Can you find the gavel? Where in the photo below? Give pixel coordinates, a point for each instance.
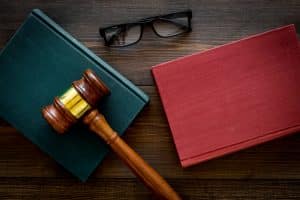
(79, 102)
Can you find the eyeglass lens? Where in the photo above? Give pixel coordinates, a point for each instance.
(165, 27)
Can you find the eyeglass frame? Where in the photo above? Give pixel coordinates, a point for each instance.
(149, 21)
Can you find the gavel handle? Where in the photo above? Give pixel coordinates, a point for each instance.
(145, 172)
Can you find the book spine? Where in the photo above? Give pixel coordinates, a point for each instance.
(38, 13)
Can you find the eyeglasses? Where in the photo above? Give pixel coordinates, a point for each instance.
(163, 26)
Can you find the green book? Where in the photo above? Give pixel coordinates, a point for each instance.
(40, 62)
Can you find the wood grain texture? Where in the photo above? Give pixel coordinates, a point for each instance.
(268, 171)
(123, 189)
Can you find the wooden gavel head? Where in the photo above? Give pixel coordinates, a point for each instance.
(81, 97)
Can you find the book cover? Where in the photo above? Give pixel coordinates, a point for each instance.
(40, 62)
(233, 96)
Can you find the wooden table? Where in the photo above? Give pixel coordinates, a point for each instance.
(268, 171)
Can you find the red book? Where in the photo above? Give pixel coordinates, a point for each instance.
(232, 97)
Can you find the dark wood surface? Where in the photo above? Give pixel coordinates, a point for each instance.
(268, 171)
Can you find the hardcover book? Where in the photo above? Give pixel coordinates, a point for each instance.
(233, 96)
(38, 63)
